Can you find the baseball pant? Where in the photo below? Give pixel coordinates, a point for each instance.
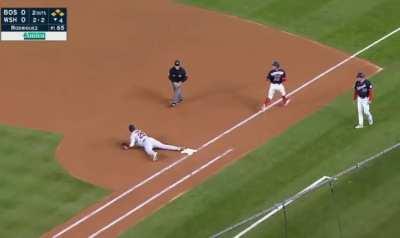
(363, 109)
(276, 87)
(150, 144)
(177, 88)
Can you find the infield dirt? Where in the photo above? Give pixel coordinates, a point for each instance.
(113, 71)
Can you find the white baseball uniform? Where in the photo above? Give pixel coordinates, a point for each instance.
(363, 108)
(276, 88)
(139, 138)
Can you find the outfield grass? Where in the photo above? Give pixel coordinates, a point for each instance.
(356, 199)
(348, 25)
(365, 204)
(322, 144)
(35, 193)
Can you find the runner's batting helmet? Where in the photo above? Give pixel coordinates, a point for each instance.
(131, 127)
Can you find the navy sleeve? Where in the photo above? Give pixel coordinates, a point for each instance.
(283, 78)
(184, 75)
(269, 76)
(170, 74)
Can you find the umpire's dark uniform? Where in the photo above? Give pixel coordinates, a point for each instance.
(177, 75)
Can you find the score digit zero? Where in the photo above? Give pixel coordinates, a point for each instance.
(13, 12)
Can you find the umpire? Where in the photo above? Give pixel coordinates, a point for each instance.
(177, 76)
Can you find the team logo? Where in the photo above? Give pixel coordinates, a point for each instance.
(361, 87)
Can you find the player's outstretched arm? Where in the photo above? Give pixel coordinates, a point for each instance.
(132, 142)
(126, 146)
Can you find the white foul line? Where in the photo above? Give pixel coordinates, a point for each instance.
(120, 196)
(218, 137)
(194, 172)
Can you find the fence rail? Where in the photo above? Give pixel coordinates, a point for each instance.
(260, 217)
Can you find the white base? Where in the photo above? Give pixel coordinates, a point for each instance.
(188, 151)
(19, 36)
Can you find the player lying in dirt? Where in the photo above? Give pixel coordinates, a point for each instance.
(140, 139)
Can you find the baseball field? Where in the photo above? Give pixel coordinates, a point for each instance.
(68, 177)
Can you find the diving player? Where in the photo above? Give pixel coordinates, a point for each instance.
(139, 138)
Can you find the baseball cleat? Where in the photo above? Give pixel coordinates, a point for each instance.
(286, 102)
(173, 104)
(263, 107)
(155, 157)
(359, 126)
(371, 122)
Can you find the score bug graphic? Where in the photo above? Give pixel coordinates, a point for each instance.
(58, 20)
(34, 24)
(57, 16)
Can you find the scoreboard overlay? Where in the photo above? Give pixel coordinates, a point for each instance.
(33, 24)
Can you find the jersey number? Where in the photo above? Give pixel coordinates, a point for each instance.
(141, 135)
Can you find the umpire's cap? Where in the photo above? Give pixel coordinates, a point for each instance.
(275, 63)
(131, 127)
(360, 75)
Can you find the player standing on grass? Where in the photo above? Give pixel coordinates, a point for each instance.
(277, 76)
(364, 95)
(177, 76)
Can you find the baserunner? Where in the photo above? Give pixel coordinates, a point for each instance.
(149, 144)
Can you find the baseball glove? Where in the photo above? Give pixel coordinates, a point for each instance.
(125, 146)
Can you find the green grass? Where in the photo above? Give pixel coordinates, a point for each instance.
(348, 25)
(35, 193)
(322, 144)
(365, 203)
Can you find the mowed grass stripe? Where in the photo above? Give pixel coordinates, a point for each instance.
(347, 25)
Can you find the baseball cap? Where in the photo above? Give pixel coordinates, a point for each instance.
(275, 63)
(177, 63)
(360, 75)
